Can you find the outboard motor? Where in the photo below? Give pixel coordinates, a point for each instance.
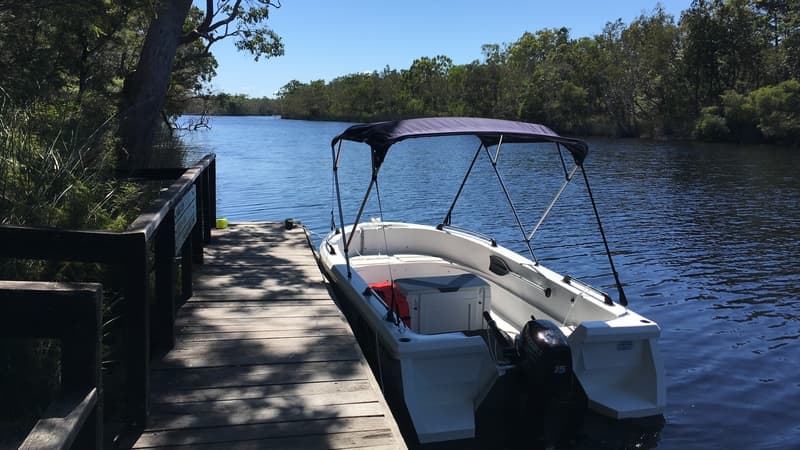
(540, 398)
(544, 357)
(552, 391)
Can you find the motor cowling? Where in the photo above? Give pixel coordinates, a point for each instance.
(552, 402)
(545, 357)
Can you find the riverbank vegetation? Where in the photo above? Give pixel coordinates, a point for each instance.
(725, 70)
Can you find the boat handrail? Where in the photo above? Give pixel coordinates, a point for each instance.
(586, 288)
(545, 290)
(491, 240)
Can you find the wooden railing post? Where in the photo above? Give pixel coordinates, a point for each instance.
(164, 308)
(81, 353)
(212, 198)
(186, 271)
(137, 330)
(198, 232)
(208, 221)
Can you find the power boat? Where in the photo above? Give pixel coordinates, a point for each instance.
(462, 322)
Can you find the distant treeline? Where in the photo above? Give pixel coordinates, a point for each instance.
(232, 105)
(727, 70)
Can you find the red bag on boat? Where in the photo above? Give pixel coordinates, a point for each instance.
(388, 292)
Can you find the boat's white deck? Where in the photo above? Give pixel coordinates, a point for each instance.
(379, 268)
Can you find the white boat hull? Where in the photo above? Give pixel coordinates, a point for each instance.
(445, 376)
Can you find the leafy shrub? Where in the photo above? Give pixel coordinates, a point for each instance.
(740, 116)
(711, 126)
(770, 112)
(778, 111)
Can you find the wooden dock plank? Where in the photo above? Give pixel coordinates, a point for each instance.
(256, 375)
(255, 324)
(263, 357)
(262, 391)
(240, 412)
(297, 283)
(272, 435)
(257, 303)
(253, 293)
(261, 312)
(293, 344)
(265, 334)
(375, 439)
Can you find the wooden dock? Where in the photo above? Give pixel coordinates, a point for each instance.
(263, 356)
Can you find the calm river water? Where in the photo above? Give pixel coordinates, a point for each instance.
(706, 241)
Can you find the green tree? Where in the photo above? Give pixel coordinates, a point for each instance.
(389, 91)
(146, 87)
(769, 112)
(778, 111)
(724, 48)
(650, 49)
(781, 24)
(617, 89)
(305, 101)
(356, 92)
(541, 84)
(476, 89)
(426, 83)
(701, 37)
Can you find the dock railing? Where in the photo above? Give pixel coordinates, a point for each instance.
(175, 226)
(71, 313)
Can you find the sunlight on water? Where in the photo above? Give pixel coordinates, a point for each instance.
(705, 239)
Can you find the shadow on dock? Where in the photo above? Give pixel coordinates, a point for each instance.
(263, 357)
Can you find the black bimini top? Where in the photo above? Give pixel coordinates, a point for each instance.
(382, 135)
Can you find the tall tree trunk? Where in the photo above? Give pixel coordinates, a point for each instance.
(145, 89)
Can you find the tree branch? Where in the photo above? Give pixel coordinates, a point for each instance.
(170, 126)
(209, 15)
(206, 27)
(231, 17)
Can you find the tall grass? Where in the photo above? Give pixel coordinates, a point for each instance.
(56, 170)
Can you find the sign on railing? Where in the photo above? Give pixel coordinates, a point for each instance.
(185, 217)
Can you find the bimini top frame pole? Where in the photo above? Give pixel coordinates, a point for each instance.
(377, 160)
(449, 216)
(623, 299)
(493, 160)
(567, 179)
(335, 154)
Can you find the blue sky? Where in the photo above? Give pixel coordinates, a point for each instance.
(325, 39)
